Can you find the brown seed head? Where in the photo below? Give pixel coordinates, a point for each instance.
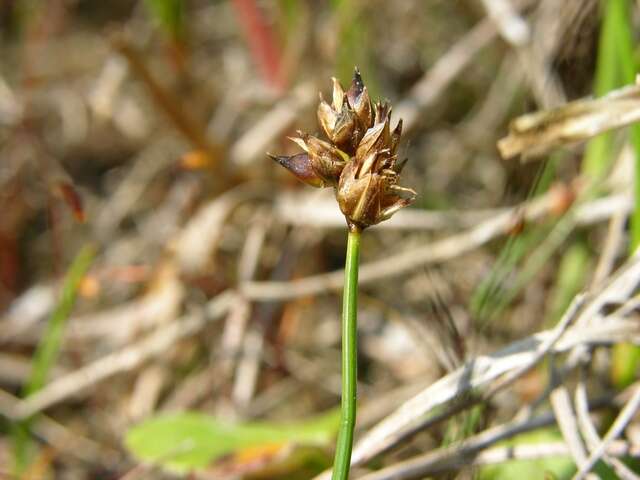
(349, 115)
(360, 160)
(326, 160)
(358, 97)
(368, 192)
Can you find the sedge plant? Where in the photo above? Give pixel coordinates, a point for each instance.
(359, 161)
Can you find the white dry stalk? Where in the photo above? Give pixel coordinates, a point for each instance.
(125, 198)
(106, 87)
(252, 145)
(512, 26)
(477, 449)
(589, 432)
(538, 132)
(448, 67)
(198, 239)
(436, 251)
(535, 58)
(11, 107)
(125, 359)
(318, 209)
(490, 456)
(478, 374)
(62, 438)
(120, 324)
(568, 423)
(624, 418)
(530, 452)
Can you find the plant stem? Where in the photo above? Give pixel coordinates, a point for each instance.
(349, 357)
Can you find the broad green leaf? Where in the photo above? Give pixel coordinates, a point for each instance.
(188, 441)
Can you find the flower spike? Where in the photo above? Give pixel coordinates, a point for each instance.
(359, 159)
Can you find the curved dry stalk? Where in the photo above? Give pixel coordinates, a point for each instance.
(589, 432)
(477, 377)
(123, 360)
(437, 251)
(625, 416)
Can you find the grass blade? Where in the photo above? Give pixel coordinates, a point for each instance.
(45, 356)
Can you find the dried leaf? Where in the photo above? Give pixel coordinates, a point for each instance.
(538, 132)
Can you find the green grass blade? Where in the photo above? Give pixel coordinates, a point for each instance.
(597, 158)
(620, 49)
(627, 65)
(353, 45)
(574, 268)
(169, 15)
(47, 352)
(490, 297)
(48, 349)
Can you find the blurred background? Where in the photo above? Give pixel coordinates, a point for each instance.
(153, 259)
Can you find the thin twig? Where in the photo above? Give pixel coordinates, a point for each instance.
(479, 374)
(614, 432)
(430, 87)
(123, 360)
(59, 436)
(610, 249)
(589, 432)
(436, 251)
(466, 385)
(495, 455)
(256, 140)
(470, 451)
(568, 424)
(512, 27)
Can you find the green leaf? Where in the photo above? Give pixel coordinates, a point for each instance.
(182, 442)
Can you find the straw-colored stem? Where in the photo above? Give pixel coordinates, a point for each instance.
(349, 358)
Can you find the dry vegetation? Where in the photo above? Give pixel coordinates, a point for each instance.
(132, 145)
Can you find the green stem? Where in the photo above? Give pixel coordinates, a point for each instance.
(349, 357)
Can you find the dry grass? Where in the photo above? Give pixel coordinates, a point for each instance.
(215, 283)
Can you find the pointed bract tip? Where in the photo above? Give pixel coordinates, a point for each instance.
(300, 141)
(283, 160)
(275, 158)
(300, 166)
(357, 77)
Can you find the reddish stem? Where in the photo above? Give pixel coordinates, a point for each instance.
(261, 42)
